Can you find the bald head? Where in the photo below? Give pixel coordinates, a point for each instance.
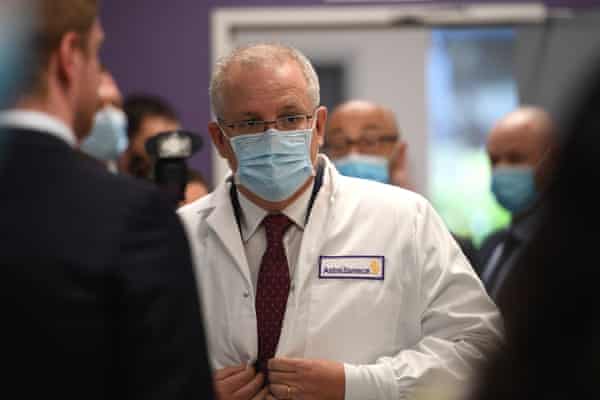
(524, 137)
(370, 128)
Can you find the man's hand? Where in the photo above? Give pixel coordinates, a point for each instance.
(294, 378)
(239, 383)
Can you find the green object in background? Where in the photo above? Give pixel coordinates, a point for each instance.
(460, 192)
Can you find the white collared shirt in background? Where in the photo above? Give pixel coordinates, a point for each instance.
(38, 121)
(255, 237)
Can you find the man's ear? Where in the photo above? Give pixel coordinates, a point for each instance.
(217, 138)
(222, 144)
(399, 154)
(321, 121)
(69, 57)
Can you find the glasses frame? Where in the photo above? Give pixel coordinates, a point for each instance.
(265, 123)
(386, 138)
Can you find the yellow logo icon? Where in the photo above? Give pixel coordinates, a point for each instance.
(375, 268)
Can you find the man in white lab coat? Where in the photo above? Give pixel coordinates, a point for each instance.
(315, 285)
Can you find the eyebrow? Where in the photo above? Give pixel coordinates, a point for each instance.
(291, 108)
(372, 127)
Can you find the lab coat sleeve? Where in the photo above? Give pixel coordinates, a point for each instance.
(460, 325)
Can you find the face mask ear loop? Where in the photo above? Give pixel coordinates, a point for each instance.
(236, 178)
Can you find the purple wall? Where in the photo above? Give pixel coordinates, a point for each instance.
(163, 48)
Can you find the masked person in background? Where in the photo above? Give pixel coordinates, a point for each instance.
(363, 141)
(521, 147)
(108, 138)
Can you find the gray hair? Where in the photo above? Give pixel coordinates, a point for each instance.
(261, 54)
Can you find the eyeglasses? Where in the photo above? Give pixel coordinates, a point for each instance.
(247, 127)
(341, 145)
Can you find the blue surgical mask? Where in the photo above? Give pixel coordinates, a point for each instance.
(514, 188)
(108, 138)
(374, 168)
(274, 164)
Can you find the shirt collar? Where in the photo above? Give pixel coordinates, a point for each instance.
(252, 215)
(38, 121)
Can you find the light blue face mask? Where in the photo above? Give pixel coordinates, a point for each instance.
(274, 164)
(108, 138)
(374, 168)
(514, 188)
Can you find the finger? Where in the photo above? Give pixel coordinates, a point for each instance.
(263, 394)
(270, 397)
(237, 381)
(284, 378)
(252, 387)
(228, 371)
(284, 364)
(281, 391)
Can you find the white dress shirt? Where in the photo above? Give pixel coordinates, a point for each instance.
(255, 237)
(38, 121)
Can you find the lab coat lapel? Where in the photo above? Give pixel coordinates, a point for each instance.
(316, 230)
(292, 342)
(223, 223)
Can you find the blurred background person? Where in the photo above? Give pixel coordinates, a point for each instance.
(361, 138)
(522, 148)
(108, 138)
(99, 297)
(363, 141)
(147, 116)
(196, 187)
(550, 298)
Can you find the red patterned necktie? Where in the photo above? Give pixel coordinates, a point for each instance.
(272, 289)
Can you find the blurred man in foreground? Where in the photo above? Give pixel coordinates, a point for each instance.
(99, 297)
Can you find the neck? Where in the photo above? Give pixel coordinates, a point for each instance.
(52, 103)
(279, 205)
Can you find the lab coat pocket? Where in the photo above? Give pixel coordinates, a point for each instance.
(353, 320)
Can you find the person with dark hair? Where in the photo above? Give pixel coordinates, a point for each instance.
(99, 299)
(549, 300)
(147, 116)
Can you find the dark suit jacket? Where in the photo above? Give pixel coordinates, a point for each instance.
(99, 298)
(509, 244)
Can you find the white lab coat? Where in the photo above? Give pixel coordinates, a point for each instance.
(429, 318)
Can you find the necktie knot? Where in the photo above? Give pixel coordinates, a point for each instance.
(275, 226)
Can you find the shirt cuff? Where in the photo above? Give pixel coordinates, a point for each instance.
(368, 382)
